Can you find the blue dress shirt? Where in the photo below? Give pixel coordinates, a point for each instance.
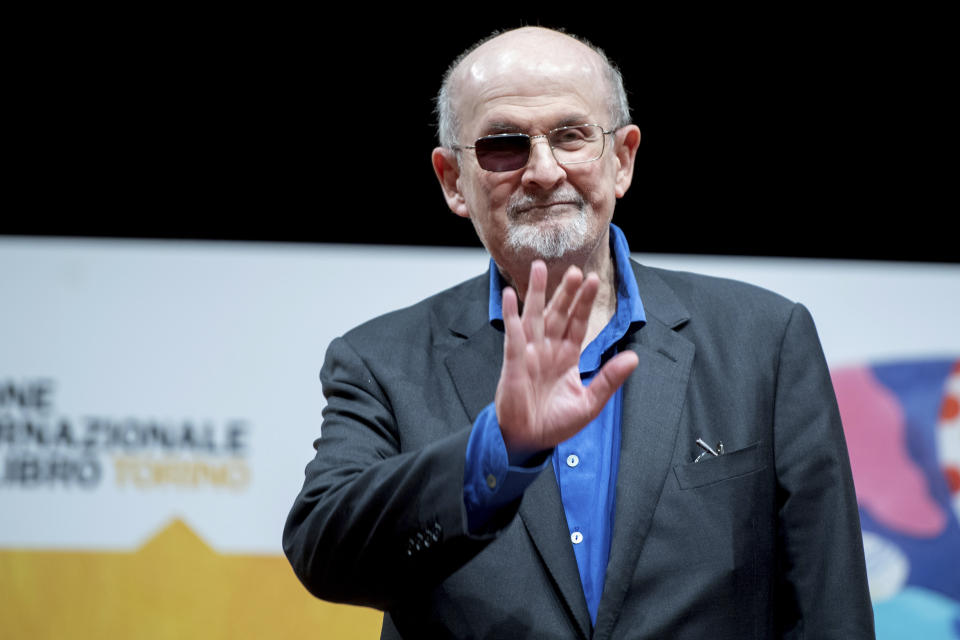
(585, 465)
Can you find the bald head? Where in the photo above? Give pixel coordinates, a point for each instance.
(532, 51)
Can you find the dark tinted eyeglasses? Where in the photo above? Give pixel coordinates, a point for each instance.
(511, 151)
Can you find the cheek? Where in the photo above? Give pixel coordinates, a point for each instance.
(599, 187)
(491, 195)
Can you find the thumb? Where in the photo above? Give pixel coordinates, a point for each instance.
(613, 374)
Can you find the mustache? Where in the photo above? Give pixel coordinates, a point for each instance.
(520, 203)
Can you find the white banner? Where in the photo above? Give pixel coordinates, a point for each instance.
(143, 382)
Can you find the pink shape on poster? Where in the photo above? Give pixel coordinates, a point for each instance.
(889, 484)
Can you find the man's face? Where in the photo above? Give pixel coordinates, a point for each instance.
(531, 83)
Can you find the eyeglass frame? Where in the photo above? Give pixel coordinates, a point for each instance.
(603, 134)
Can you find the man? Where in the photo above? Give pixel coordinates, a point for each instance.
(486, 473)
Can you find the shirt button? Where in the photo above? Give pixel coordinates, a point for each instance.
(576, 537)
(491, 481)
(572, 460)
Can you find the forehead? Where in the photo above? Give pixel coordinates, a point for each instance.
(530, 81)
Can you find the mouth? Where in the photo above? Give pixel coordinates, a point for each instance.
(543, 209)
(548, 205)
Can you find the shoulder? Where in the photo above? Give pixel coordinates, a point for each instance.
(434, 319)
(701, 294)
(707, 308)
(697, 286)
(398, 354)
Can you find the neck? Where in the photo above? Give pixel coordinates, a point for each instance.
(599, 261)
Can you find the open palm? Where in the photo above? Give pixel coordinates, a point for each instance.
(540, 400)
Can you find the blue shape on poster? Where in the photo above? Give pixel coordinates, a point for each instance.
(917, 613)
(919, 387)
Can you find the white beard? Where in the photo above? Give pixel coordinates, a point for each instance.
(547, 238)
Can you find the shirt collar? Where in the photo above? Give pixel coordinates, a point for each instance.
(629, 305)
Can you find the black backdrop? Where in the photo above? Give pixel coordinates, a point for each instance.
(795, 134)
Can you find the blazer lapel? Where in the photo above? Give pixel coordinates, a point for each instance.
(546, 522)
(474, 364)
(474, 367)
(652, 401)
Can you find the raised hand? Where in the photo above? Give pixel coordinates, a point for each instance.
(540, 401)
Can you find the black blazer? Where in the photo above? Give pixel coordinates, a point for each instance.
(761, 542)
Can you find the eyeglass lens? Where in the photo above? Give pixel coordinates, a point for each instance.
(503, 153)
(569, 145)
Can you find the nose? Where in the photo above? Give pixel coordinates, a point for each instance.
(542, 169)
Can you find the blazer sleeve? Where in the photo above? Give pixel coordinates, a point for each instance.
(374, 524)
(822, 591)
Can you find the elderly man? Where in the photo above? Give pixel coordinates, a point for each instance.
(638, 454)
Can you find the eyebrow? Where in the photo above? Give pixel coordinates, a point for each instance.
(566, 122)
(504, 126)
(500, 126)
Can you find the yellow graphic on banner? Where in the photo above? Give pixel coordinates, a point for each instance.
(175, 586)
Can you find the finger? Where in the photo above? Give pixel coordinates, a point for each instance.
(580, 311)
(613, 374)
(514, 341)
(557, 312)
(534, 301)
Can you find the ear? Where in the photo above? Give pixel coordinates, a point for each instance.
(447, 168)
(626, 141)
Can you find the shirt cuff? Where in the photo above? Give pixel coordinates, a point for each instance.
(490, 482)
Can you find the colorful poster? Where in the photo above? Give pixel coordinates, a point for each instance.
(902, 423)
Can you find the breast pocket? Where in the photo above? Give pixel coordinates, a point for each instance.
(717, 469)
